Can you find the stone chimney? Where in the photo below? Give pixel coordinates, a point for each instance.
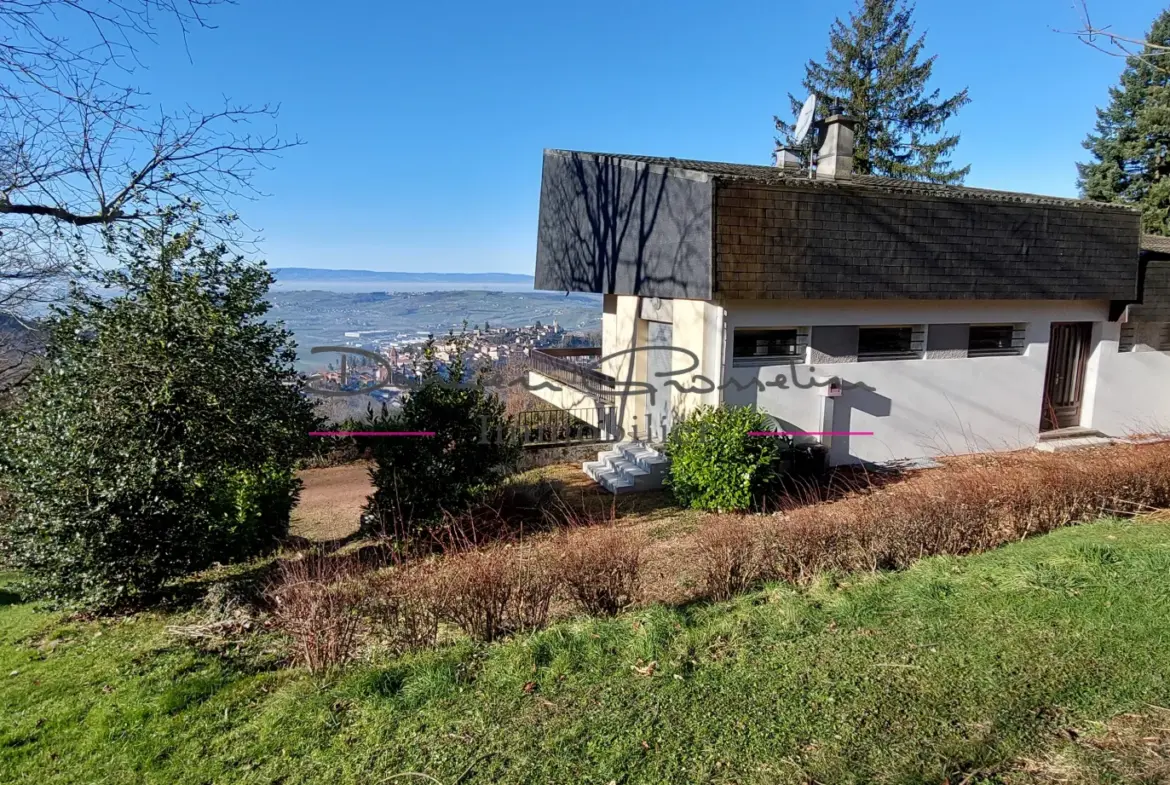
(835, 157)
(787, 159)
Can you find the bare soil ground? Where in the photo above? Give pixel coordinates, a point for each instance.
(332, 498)
(331, 501)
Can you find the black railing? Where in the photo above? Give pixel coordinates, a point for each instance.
(540, 427)
(561, 368)
(580, 354)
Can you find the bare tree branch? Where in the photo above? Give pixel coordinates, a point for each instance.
(82, 150)
(1104, 39)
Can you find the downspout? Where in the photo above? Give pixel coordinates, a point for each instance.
(719, 387)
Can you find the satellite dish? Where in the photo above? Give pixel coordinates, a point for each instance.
(805, 119)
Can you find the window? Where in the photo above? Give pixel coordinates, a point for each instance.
(1145, 337)
(889, 343)
(769, 344)
(993, 340)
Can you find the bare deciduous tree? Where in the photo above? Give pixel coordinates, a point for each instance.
(82, 150)
(1107, 40)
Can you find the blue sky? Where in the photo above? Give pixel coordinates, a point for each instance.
(424, 122)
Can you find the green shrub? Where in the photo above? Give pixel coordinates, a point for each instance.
(716, 465)
(255, 505)
(159, 434)
(419, 479)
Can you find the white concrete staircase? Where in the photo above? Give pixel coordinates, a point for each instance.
(1067, 439)
(628, 467)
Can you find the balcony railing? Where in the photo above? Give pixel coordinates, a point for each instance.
(571, 367)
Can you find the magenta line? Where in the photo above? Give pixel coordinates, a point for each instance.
(371, 433)
(810, 433)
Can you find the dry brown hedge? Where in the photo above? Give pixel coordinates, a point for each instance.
(319, 603)
(330, 605)
(404, 606)
(495, 591)
(734, 555)
(970, 505)
(600, 568)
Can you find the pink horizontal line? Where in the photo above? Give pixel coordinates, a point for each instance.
(371, 433)
(810, 433)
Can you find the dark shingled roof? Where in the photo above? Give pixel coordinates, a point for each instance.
(776, 175)
(1152, 242)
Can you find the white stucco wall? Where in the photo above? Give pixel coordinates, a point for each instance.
(622, 330)
(695, 324)
(1132, 389)
(698, 327)
(918, 408)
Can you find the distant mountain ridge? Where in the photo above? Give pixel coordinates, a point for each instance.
(288, 274)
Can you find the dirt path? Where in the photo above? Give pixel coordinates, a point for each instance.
(331, 501)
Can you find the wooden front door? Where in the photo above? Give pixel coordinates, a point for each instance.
(1064, 380)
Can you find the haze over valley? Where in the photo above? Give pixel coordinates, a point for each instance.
(313, 279)
(322, 318)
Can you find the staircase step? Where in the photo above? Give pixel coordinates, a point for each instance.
(1073, 443)
(591, 468)
(628, 467)
(1073, 432)
(645, 457)
(614, 482)
(641, 451)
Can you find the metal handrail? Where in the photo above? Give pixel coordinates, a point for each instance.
(571, 351)
(588, 380)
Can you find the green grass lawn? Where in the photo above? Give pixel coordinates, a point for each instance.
(953, 667)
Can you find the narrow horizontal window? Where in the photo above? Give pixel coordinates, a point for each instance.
(787, 343)
(1145, 337)
(889, 343)
(1128, 338)
(994, 340)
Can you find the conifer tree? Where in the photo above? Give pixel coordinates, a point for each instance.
(874, 71)
(1130, 144)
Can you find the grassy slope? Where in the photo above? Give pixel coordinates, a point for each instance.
(953, 666)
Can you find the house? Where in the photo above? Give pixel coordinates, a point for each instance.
(890, 320)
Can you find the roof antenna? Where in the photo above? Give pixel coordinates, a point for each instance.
(803, 123)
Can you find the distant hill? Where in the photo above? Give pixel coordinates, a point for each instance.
(322, 318)
(293, 274)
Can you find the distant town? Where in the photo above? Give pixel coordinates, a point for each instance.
(484, 348)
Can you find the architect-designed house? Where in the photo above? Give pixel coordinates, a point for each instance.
(939, 319)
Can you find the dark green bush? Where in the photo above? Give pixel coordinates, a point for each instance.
(255, 506)
(716, 465)
(419, 479)
(159, 434)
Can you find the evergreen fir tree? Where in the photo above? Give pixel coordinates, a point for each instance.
(1131, 141)
(874, 72)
